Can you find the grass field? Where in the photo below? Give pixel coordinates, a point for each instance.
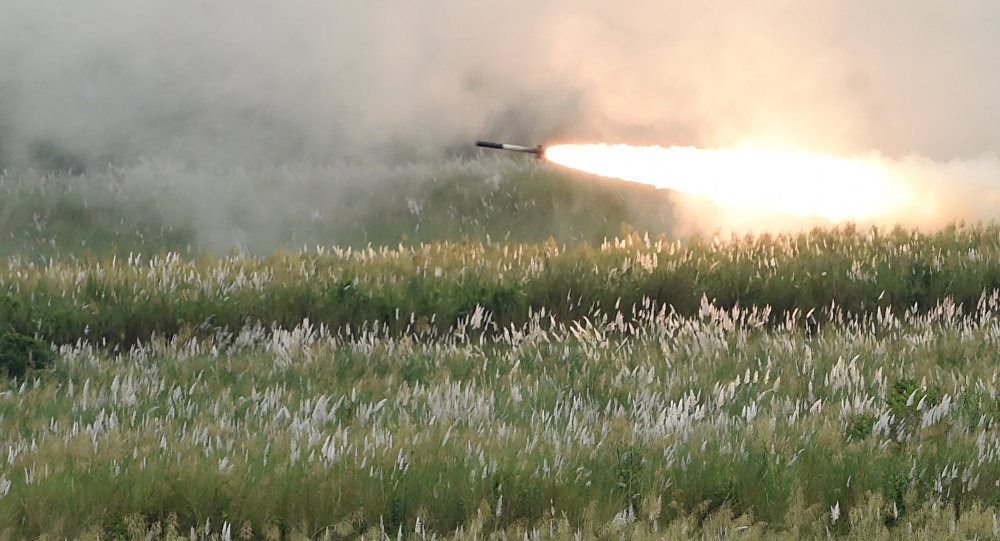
(521, 365)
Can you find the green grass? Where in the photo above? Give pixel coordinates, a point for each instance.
(826, 275)
(153, 208)
(643, 427)
(469, 384)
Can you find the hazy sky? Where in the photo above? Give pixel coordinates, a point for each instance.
(235, 80)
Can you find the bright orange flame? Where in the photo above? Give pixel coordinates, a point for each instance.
(799, 183)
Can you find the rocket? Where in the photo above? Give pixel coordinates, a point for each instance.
(537, 151)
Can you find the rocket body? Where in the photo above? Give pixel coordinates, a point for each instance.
(515, 148)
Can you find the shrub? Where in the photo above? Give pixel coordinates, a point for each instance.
(859, 426)
(20, 353)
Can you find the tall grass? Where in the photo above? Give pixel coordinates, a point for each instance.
(637, 421)
(488, 351)
(838, 382)
(820, 276)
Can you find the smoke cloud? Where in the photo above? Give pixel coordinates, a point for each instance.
(237, 82)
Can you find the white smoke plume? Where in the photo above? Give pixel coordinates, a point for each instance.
(228, 83)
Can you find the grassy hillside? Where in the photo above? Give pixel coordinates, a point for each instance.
(153, 208)
(503, 370)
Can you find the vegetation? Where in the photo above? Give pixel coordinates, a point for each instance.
(840, 382)
(824, 275)
(19, 354)
(155, 208)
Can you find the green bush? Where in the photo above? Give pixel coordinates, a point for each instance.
(859, 426)
(20, 353)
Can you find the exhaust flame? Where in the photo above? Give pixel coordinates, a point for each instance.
(802, 184)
